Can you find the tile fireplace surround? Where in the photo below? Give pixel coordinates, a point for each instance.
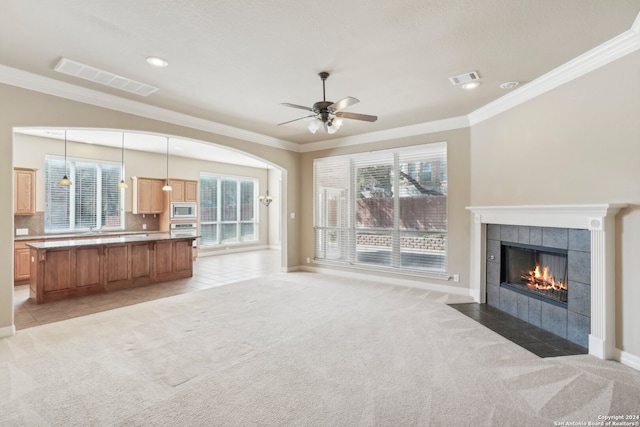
(598, 219)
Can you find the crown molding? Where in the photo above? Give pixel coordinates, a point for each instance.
(619, 46)
(35, 82)
(388, 134)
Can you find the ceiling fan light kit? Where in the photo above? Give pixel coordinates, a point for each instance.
(327, 114)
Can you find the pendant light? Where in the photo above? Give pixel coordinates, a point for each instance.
(65, 180)
(167, 187)
(266, 199)
(122, 183)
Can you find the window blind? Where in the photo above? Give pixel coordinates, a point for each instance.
(93, 201)
(385, 209)
(227, 210)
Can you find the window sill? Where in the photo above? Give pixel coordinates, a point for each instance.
(422, 274)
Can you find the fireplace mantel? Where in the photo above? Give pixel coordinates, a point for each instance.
(599, 219)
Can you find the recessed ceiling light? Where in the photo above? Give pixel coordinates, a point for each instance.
(471, 85)
(509, 85)
(157, 61)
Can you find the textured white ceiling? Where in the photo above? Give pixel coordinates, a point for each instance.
(234, 62)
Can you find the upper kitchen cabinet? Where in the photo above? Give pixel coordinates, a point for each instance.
(183, 190)
(147, 196)
(24, 191)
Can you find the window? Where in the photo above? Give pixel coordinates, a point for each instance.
(227, 210)
(93, 201)
(385, 209)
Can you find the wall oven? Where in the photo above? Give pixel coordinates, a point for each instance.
(185, 230)
(183, 210)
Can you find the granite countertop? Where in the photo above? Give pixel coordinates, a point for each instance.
(96, 234)
(104, 241)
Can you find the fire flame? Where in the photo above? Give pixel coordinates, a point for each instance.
(543, 280)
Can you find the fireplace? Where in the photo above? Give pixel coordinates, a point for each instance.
(596, 221)
(541, 275)
(536, 271)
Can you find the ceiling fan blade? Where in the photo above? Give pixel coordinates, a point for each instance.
(344, 103)
(299, 118)
(356, 116)
(302, 107)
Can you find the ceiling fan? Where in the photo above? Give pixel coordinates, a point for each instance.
(327, 113)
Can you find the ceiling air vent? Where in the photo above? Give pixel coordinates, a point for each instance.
(464, 78)
(86, 72)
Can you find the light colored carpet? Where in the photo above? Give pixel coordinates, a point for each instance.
(297, 349)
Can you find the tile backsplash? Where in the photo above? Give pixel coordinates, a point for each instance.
(35, 223)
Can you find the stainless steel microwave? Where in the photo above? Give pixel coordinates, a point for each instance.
(183, 210)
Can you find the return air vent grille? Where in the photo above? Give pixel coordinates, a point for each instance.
(86, 72)
(464, 78)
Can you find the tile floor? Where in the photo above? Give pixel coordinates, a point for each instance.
(536, 340)
(208, 272)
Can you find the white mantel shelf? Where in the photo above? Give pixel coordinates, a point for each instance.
(589, 217)
(599, 219)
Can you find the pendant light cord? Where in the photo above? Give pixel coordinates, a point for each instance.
(65, 152)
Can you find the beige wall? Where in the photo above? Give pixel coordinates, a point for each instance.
(458, 197)
(24, 108)
(579, 143)
(30, 151)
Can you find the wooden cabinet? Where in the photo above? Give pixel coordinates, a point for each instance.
(65, 270)
(148, 196)
(68, 271)
(177, 190)
(173, 258)
(128, 265)
(88, 267)
(182, 256)
(24, 191)
(21, 261)
(191, 191)
(163, 259)
(183, 190)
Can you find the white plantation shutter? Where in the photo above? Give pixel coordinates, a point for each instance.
(333, 209)
(422, 210)
(93, 201)
(209, 210)
(386, 209)
(228, 207)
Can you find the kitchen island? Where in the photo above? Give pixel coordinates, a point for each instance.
(71, 268)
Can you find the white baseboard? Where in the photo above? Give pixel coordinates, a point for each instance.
(8, 331)
(388, 280)
(628, 359)
(202, 252)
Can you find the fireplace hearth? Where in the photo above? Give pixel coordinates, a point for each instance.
(537, 271)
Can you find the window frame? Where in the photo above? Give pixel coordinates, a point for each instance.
(70, 165)
(239, 222)
(347, 234)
